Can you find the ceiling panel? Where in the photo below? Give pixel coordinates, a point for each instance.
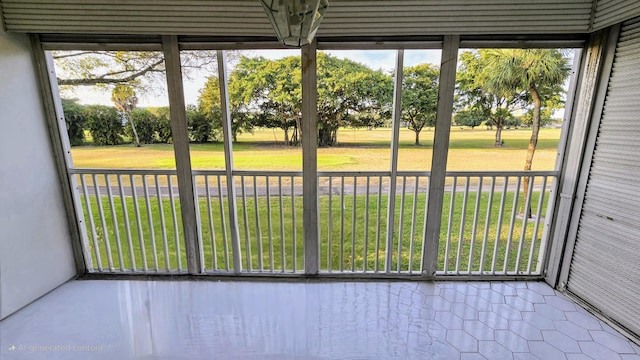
(344, 18)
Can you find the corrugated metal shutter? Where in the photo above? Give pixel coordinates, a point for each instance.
(344, 17)
(605, 269)
(611, 12)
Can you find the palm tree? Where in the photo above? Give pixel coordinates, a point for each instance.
(125, 99)
(538, 72)
(479, 92)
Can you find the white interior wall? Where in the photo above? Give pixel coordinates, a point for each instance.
(35, 247)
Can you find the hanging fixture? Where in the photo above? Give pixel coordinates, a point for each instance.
(295, 21)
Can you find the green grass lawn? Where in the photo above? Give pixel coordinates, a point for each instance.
(350, 244)
(358, 149)
(358, 241)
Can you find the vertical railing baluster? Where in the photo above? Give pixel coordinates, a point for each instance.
(293, 224)
(366, 226)
(127, 227)
(223, 219)
(354, 217)
(330, 225)
(282, 249)
(486, 225)
(114, 220)
(378, 224)
(476, 214)
(496, 245)
(483, 263)
(94, 233)
(342, 224)
(258, 228)
(212, 232)
(200, 235)
(245, 213)
(271, 260)
(463, 219)
(103, 221)
(413, 223)
(514, 211)
(450, 224)
(136, 207)
(401, 224)
(176, 229)
(150, 221)
(163, 225)
(534, 238)
(525, 220)
(424, 221)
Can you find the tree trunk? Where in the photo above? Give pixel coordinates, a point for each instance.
(533, 141)
(417, 138)
(286, 136)
(135, 132)
(327, 136)
(298, 131)
(498, 135)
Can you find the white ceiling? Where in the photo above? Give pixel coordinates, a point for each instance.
(344, 17)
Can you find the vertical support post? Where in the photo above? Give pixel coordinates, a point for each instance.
(181, 150)
(590, 99)
(446, 89)
(310, 160)
(554, 200)
(62, 153)
(228, 161)
(391, 200)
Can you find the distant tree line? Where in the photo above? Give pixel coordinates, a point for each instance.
(108, 126)
(266, 93)
(491, 85)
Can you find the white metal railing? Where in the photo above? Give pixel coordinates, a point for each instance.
(354, 217)
(131, 220)
(494, 224)
(491, 223)
(269, 213)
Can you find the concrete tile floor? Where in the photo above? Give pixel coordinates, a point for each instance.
(308, 320)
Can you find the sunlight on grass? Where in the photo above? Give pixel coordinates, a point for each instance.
(351, 239)
(358, 149)
(352, 228)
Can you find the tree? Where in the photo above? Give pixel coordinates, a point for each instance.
(125, 99)
(271, 90)
(141, 71)
(420, 97)
(471, 117)
(135, 68)
(210, 105)
(266, 92)
(147, 125)
(539, 73)
(478, 92)
(350, 94)
(163, 129)
(75, 117)
(104, 124)
(203, 127)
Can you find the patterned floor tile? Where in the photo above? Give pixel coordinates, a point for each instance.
(387, 320)
(478, 330)
(511, 341)
(462, 341)
(545, 351)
